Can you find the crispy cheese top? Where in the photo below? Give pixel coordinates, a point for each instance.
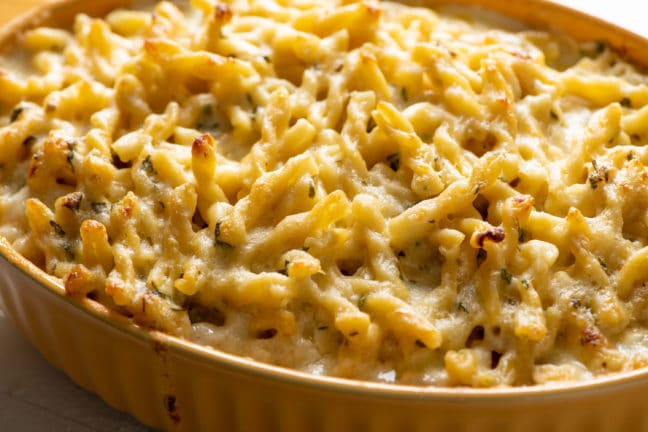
(358, 189)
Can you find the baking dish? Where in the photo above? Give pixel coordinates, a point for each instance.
(174, 385)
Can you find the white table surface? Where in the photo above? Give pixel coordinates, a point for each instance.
(36, 397)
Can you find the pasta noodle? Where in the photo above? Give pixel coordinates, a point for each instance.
(352, 188)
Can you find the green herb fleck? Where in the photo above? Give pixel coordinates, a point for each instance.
(460, 307)
(521, 235)
(626, 102)
(506, 275)
(525, 284)
(217, 234)
(205, 121)
(267, 59)
(70, 155)
(57, 228)
(362, 300)
(394, 161)
(69, 251)
(599, 174)
(594, 181)
(147, 165)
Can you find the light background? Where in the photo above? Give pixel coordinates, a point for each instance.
(36, 397)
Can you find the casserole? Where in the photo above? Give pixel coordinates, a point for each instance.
(173, 402)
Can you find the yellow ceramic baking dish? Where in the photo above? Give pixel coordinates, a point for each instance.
(171, 384)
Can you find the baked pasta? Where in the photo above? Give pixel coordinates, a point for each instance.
(360, 189)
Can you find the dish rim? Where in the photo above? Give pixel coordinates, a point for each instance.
(211, 357)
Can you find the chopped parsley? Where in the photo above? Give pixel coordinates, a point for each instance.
(521, 235)
(69, 251)
(217, 234)
(599, 175)
(57, 228)
(362, 300)
(506, 275)
(147, 165)
(206, 120)
(70, 155)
